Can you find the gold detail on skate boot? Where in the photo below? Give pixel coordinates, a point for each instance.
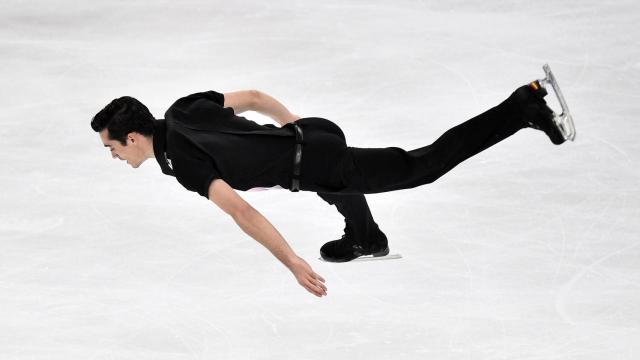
(535, 85)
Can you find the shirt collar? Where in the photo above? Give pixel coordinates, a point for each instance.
(160, 146)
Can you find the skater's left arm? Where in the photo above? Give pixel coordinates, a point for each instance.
(259, 228)
(254, 100)
(269, 106)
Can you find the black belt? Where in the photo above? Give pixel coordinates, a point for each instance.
(297, 158)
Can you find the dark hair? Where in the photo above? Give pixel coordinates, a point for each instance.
(122, 116)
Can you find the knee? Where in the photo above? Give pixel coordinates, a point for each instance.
(330, 198)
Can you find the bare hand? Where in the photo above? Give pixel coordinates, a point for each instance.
(306, 277)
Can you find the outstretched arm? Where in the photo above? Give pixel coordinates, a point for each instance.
(255, 100)
(259, 228)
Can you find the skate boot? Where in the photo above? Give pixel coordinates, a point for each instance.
(347, 248)
(536, 113)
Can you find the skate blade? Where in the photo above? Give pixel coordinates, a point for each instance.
(374, 258)
(564, 121)
(371, 258)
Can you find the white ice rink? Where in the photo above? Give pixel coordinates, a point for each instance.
(526, 251)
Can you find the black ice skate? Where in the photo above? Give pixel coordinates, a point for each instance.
(559, 128)
(347, 249)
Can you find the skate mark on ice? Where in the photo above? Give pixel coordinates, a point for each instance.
(461, 76)
(461, 255)
(271, 324)
(39, 261)
(563, 251)
(561, 298)
(614, 147)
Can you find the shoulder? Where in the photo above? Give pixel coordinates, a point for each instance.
(200, 105)
(206, 96)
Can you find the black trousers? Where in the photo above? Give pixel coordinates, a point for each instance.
(341, 174)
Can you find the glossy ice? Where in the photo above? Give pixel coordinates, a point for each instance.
(526, 251)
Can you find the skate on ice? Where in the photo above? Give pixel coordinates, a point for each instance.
(347, 249)
(371, 258)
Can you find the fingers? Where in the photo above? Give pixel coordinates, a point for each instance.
(315, 290)
(311, 281)
(314, 284)
(320, 283)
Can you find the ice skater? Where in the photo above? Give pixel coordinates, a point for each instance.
(212, 151)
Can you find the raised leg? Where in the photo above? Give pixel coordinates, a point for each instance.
(375, 170)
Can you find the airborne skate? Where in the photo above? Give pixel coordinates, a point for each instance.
(559, 127)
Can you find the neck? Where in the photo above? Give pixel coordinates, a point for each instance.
(149, 153)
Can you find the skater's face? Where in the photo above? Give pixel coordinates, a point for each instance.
(133, 152)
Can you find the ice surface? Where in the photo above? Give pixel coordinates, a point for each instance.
(527, 251)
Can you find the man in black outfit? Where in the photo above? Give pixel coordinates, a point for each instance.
(212, 151)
